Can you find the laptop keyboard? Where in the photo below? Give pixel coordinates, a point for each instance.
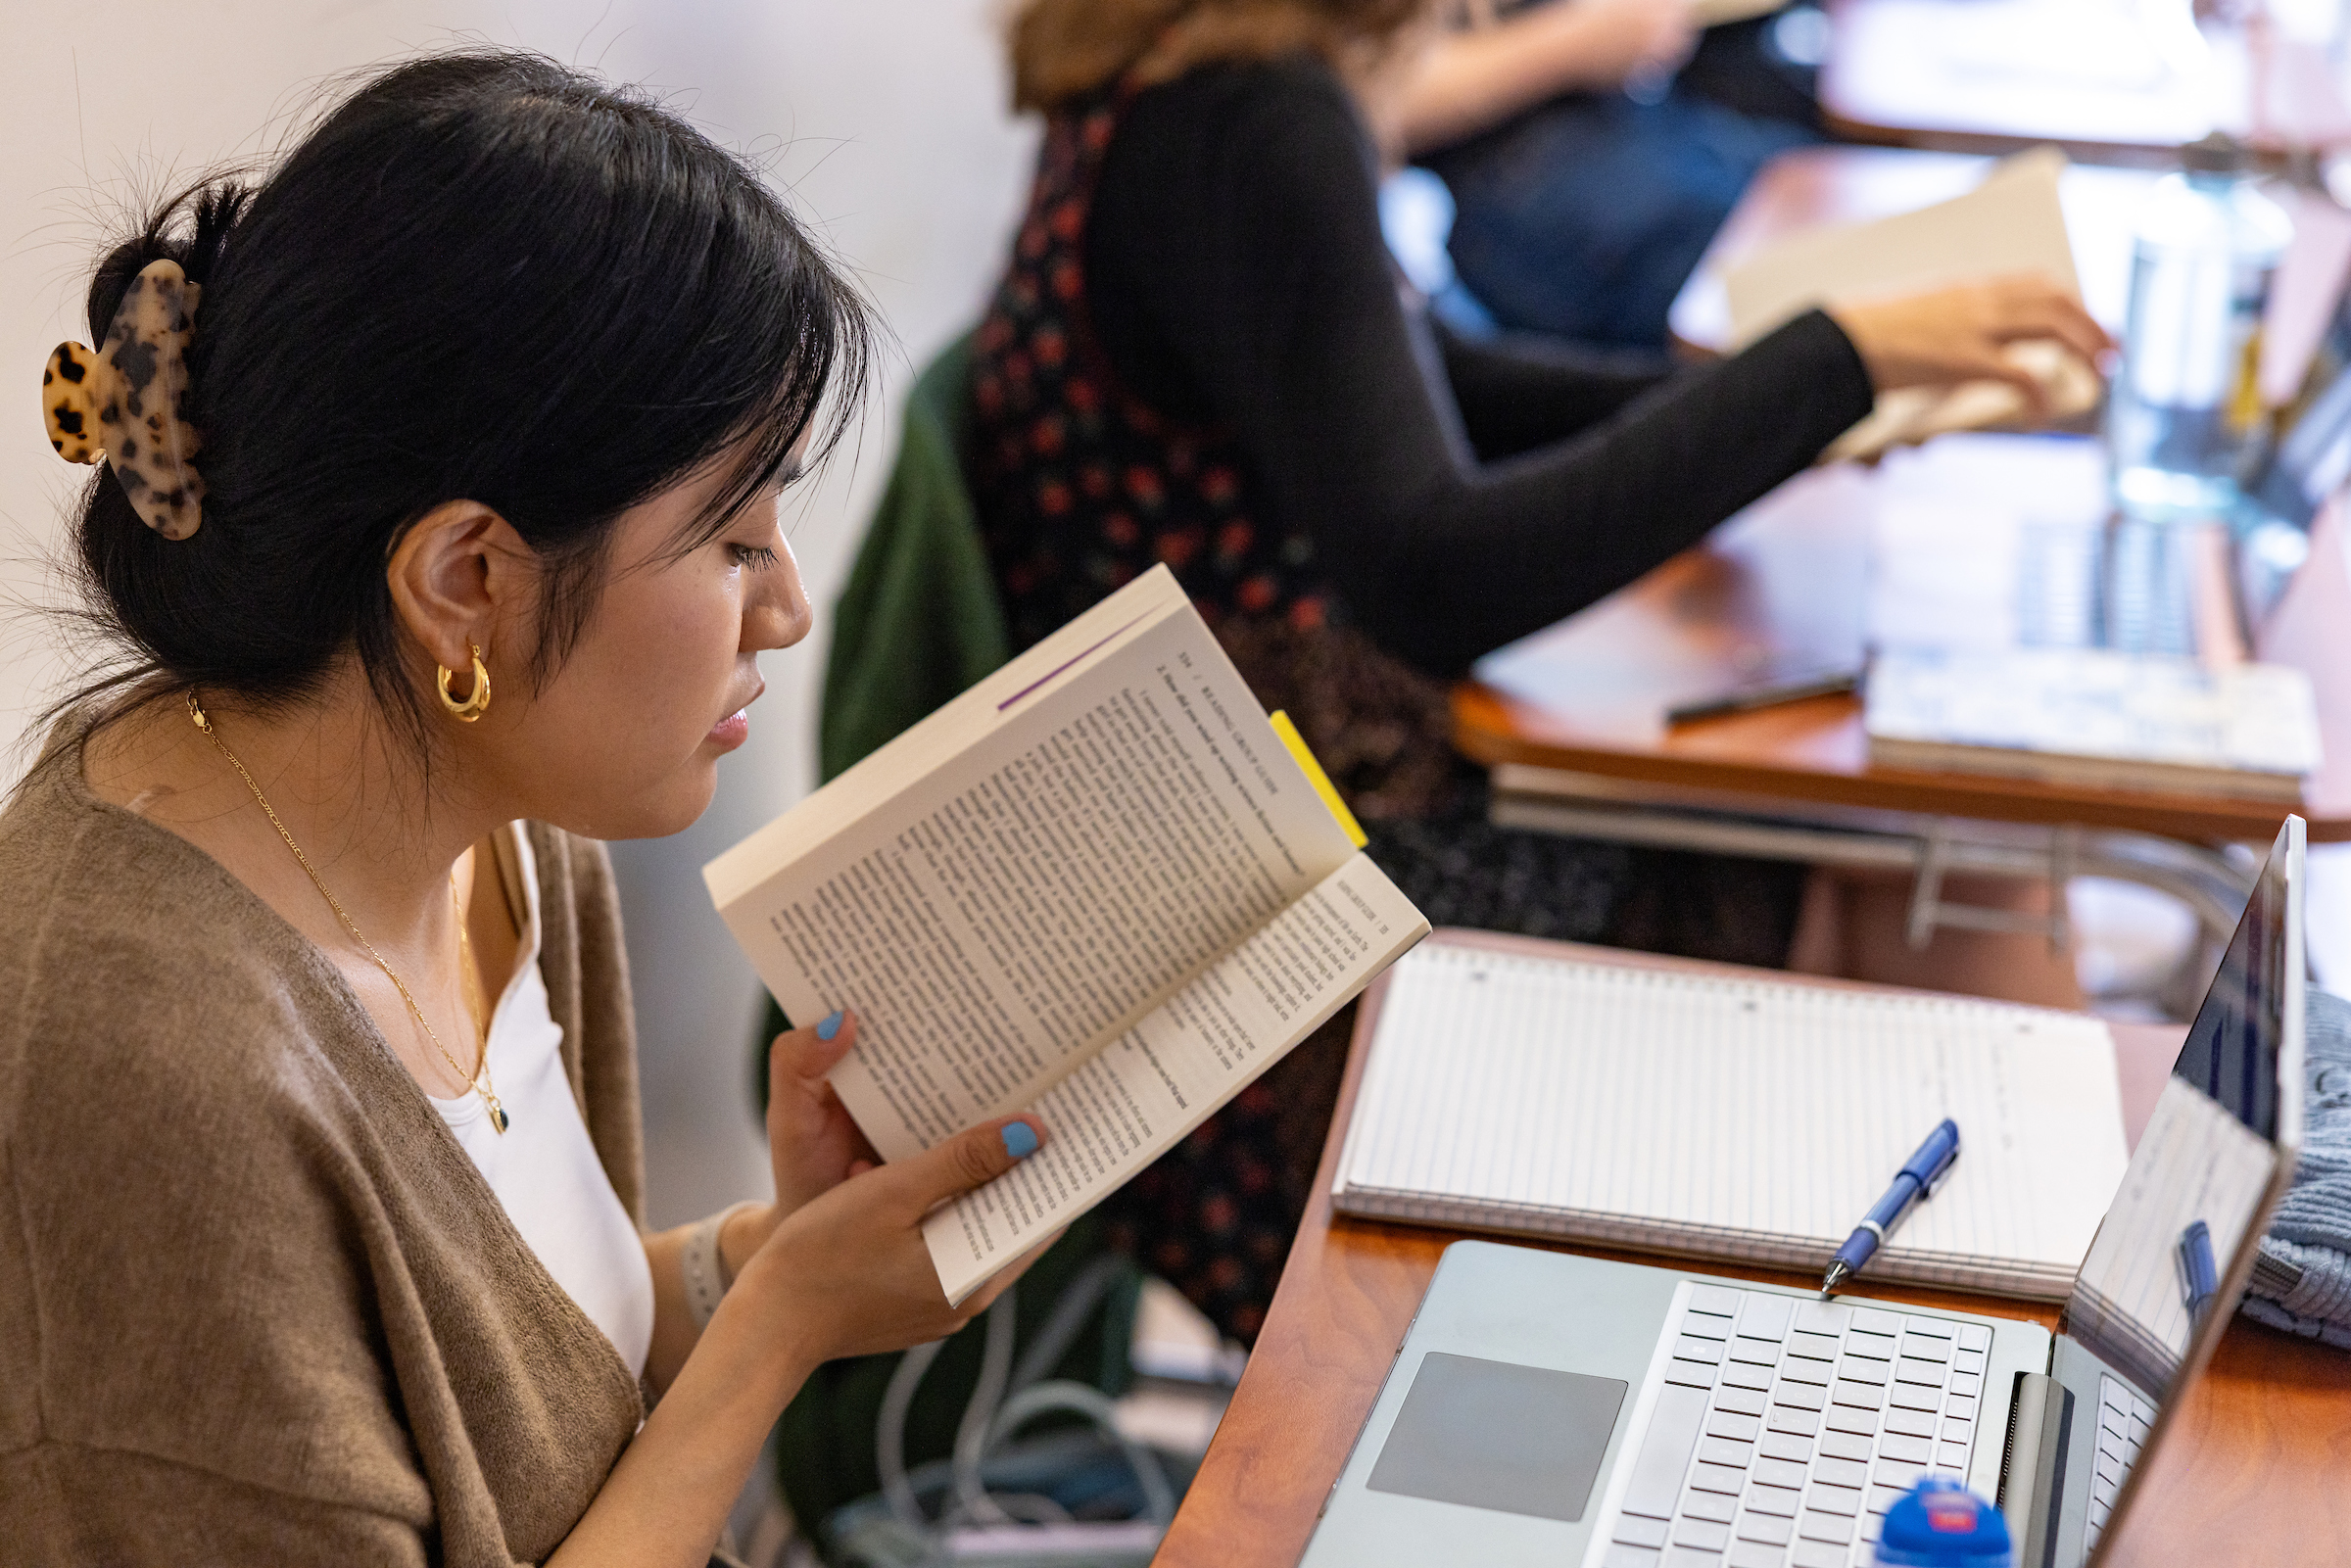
(2123, 1422)
(1786, 1427)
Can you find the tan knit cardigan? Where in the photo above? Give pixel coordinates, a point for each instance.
(257, 1305)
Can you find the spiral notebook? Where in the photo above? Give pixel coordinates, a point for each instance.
(1730, 1115)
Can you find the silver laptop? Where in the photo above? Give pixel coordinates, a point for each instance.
(1555, 1409)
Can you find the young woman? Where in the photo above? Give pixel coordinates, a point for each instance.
(437, 520)
(1199, 356)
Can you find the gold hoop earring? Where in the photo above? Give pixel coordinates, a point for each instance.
(476, 702)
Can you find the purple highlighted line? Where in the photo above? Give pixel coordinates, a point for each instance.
(1065, 664)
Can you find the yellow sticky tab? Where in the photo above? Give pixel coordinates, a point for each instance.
(1315, 776)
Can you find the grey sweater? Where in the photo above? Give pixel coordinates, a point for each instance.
(2302, 1281)
(257, 1305)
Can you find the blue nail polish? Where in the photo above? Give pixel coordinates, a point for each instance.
(1020, 1140)
(831, 1026)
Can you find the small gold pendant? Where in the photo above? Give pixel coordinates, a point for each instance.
(497, 1113)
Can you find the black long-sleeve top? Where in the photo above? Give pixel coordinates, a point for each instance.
(1459, 495)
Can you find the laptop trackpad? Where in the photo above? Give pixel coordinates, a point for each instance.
(1496, 1435)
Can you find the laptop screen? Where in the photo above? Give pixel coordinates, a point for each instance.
(2198, 1184)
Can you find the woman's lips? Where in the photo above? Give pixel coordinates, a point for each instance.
(731, 730)
(736, 728)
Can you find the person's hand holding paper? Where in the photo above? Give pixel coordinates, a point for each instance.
(1968, 313)
(2034, 342)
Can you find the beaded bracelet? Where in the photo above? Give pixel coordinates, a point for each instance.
(704, 1265)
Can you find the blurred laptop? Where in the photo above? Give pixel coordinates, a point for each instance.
(1555, 1409)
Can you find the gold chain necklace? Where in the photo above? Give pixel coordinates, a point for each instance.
(479, 1078)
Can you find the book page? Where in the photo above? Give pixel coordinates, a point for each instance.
(1128, 1105)
(871, 785)
(2012, 223)
(1050, 883)
(1752, 1118)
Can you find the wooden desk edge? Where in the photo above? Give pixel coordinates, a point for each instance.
(1981, 142)
(1483, 731)
(1350, 1288)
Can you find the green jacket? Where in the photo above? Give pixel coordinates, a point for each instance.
(919, 621)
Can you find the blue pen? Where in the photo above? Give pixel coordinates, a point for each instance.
(1915, 1181)
(2199, 1280)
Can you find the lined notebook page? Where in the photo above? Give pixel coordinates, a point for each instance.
(1732, 1117)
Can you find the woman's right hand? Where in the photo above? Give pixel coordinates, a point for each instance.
(1619, 40)
(846, 1273)
(1962, 333)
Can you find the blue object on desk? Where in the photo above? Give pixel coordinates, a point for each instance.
(1918, 1178)
(1941, 1524)
(2199, 1280)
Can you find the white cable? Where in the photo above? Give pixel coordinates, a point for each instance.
(1159, 1497)
(890, 1432)
(971, 1433)
(1078, 1302)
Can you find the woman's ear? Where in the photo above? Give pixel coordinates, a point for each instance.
(457, 578)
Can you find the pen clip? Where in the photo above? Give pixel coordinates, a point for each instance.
(1943, 1173)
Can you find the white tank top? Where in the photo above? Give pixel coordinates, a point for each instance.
(544, 1168)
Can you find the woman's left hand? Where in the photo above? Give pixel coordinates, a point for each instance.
(811, 1139)
(812, 1142)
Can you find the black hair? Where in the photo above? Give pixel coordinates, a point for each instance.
(482, 276)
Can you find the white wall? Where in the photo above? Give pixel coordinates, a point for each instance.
(884, 119)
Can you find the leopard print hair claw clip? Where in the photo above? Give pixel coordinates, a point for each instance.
(126, 403)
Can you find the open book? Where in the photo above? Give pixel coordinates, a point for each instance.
(1516, 1085)
(2012, 223)
(1100, 887)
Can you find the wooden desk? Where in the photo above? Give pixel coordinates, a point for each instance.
(2254, 1471)
(1813, 187)
(1784, 586)
(1784, 589)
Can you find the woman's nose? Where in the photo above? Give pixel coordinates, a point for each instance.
(779, 613)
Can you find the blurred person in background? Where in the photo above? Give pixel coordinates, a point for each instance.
(1592, 147)
(1199, 355)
